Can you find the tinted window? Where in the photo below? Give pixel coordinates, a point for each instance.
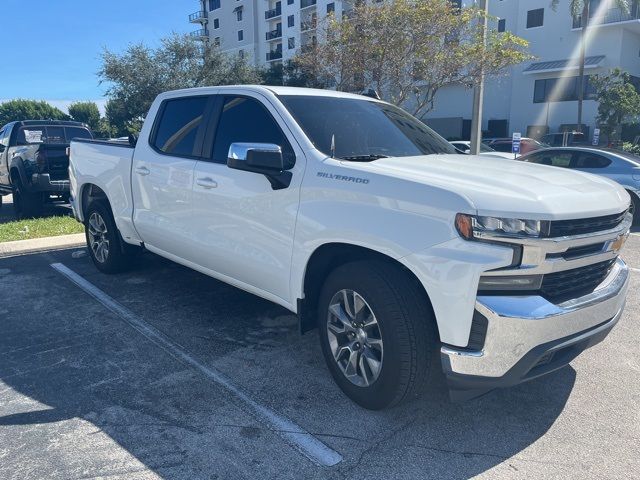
(363, 127)
(556, 159)
(246, 120)
(502, 147)
(181, 119)
(535, 18)
(75, 132)
(591, 160)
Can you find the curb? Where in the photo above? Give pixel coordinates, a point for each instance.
(46, 244)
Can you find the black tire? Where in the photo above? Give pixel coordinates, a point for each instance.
(406, 326)
(116, 258)
(635, 208)
(26, 204)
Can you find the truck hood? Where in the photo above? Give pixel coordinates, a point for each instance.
(510, 188)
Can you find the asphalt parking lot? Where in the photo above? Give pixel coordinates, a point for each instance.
(165, 373)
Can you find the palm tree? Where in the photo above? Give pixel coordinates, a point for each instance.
(581, 9)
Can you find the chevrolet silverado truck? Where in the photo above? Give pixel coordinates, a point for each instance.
(410, 260)
(34, 164)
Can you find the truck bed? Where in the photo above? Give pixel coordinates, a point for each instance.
(106, 164)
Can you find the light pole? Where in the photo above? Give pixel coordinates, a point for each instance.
(478, 92)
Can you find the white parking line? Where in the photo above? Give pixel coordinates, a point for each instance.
(634, 269)
(296, 436)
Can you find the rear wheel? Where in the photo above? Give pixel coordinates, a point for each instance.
(377, 333)
(26, 204)
(106, 248)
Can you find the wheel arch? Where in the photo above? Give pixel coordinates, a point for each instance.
(89, 193)
(327, 258)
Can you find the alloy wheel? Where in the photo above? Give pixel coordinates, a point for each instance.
(355, 338)
(98, 241)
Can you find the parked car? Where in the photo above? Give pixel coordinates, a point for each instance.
(619, 166)
(34, 164)
(464, 146)
(359, 218)
(505, 145)
(559, 139)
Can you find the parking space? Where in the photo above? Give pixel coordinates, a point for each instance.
(165, 373)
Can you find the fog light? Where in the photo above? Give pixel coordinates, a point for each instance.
(510, 282)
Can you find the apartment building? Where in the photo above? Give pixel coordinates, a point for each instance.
(264, 31)
(533, 98)
(540, 96)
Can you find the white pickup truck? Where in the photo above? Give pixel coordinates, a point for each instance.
(410, 259)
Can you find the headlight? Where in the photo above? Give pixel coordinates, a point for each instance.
(473, 226)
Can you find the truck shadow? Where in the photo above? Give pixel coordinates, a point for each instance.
(50, 210)
(84, 365)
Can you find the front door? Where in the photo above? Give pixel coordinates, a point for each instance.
(162, 175)
(244, 229)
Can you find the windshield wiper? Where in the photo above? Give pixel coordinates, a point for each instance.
(364, 158)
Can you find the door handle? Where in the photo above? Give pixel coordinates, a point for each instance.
(207, 182)
(142, 171)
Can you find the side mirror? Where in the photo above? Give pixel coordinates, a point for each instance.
(262, 158)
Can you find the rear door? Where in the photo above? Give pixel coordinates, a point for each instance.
(162, 174)
(243, 228)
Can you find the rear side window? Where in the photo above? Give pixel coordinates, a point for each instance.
(52, 134)
(179, 125)
(246, 120)
(590, 160)
(556, 159)
(501, 147)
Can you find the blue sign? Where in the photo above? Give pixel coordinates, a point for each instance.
(515, 142)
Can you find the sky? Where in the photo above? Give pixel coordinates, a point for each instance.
(51, 48)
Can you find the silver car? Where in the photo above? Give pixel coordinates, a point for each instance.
(619, 166)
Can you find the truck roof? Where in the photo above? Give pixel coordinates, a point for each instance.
(267, 89)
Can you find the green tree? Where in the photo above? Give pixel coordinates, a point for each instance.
(86, 112)
(134, 78)
(407, 50)
(29, 110)
(581, 9)
(619, 101)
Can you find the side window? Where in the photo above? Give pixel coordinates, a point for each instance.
(556, 159)
(591, 160)
(3, 137)
(504, 147)
(247, 120)
(178, 126)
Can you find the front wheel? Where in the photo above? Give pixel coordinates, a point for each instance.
(103, 239)
(377, 333)
(635, 208)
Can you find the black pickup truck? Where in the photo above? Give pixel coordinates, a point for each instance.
(34, 163)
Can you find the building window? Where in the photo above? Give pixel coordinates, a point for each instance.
(289, 2)
(502, 25)
(216, 41)
(291, 43)
(561, 90)
(216, 23)
(241, 53)
(291, 21)
(214, 4)
(239, 15)
(240, 35)
(331, 7)
(535, 18)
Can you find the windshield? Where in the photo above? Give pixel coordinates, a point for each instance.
(50, 134)
(363, 128)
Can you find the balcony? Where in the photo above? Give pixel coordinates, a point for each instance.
(273, 13)
(274, 55)
(611, 16)
(274, 34)
(200, 34)
(198, 17)
(307, 3)
(308, 25)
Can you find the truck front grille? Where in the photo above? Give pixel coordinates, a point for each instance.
(560, 286)
(563, 228)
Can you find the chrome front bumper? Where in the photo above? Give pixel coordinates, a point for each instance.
(528, 336)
